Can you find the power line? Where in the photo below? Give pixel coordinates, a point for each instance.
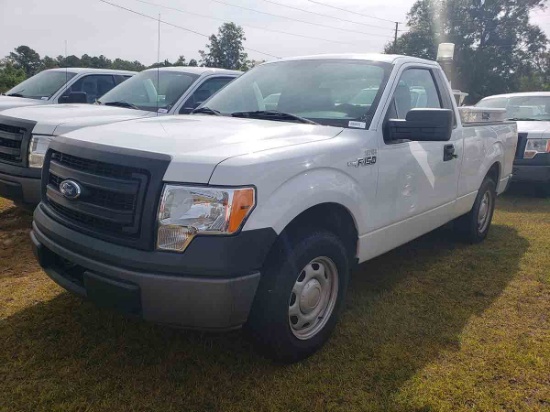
(249, 26)
(298, 20)
(325, 15)
(352, 12)
(179, 27)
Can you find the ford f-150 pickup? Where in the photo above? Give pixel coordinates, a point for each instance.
(531, 110)
(26, 132)
(253, 211)
(71, 85)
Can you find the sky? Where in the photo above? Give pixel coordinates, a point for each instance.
(95, 27)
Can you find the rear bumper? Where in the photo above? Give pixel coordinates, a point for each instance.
(531, 173)
(20, 189)
(167, 297)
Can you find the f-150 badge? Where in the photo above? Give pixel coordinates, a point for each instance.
(368, 159)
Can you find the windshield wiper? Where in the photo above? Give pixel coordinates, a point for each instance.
(273, 115)
(206, 110)
(15, 95)
(524, 119)
(122, 103)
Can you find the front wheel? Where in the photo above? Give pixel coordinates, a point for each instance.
(300, 295)
(474, 226)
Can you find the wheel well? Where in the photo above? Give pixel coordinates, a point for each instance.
(494, 172)
(332, 217)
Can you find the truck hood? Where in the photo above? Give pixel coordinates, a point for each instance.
(197, 143)
(535, 129)
(56, 119)
(7, 102)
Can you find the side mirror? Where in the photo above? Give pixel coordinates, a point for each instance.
(74, 97)
(423, 125)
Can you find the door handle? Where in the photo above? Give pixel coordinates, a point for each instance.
(449, 152)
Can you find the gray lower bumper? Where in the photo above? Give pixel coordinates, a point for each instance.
(531, 173)
(19, 189)
(194, 302)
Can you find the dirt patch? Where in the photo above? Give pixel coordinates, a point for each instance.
(16, 258)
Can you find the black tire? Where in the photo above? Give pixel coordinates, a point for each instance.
(468, 226)
(269, 323)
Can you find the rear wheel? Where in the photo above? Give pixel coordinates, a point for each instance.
(300, 295)
(474, 226)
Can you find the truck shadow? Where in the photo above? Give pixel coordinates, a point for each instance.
(404, 309)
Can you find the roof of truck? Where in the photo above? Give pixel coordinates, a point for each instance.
(533, 94)
(90, 70)
(197, 70)
(384, 58)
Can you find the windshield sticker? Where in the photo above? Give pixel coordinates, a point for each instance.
(163, 111)
(358, 125)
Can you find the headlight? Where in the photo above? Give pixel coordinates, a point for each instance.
(535, 146)
(37, 150)
(188, 211)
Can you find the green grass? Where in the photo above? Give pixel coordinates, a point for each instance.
(435, 325)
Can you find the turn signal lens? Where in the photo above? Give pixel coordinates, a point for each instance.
(243, 202)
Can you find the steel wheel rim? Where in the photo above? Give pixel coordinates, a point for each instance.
(313, 298)
(484, 212)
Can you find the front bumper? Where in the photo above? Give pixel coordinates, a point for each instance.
(19, 189)
(531, 174)
(168, 295)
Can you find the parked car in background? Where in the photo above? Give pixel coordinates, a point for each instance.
(26, 132)
(531, 110)
(71, 85)
(244, 215)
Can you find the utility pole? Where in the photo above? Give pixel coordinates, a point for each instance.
(395, 37)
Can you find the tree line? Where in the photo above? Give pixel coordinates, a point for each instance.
(224, 50)
(497, 48)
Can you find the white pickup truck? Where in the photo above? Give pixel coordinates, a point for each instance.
(71, 85)
(26, 132)
(254, 212)
(531, 110)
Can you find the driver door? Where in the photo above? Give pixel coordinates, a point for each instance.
(417, 184)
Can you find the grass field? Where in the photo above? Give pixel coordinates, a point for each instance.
(435, 325)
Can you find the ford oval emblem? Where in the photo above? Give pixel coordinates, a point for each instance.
(70, 189)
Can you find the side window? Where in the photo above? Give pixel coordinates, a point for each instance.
(203, 92)
(93, 85)
(120, 78)
(416, 89)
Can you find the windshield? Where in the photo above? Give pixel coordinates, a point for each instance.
(143, 91)
(42, 85)
(520, 107)
(329, 92)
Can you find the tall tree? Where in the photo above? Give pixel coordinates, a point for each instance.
(27, 59)
(10, 75)
(226, 50)
(496, 45)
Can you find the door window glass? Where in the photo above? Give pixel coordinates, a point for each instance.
(416, 89)
(204, 91)
(93, 85)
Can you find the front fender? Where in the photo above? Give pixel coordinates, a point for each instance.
(304, 191)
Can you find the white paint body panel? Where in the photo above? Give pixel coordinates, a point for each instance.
(409, 191)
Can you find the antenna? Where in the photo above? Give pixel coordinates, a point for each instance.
(66, 68)
(158, 65)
